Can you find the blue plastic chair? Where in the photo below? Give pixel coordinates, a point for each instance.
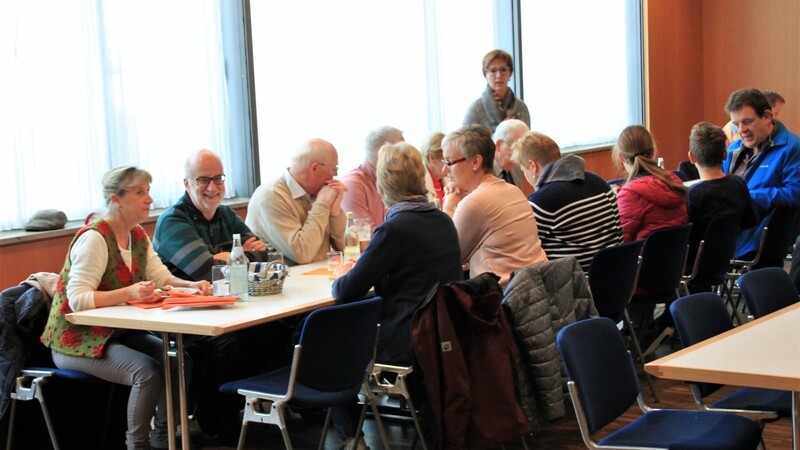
(702, 316)
(603, 385)
(767, 290)
(612, 275)
(330, 366)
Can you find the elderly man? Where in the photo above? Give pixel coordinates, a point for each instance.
(576, 211)
(190, 237)
(362, 197)
(300, 213)
(197, 231)
(767, 156)
(504, 137)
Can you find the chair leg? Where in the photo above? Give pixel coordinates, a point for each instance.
(49, 422)
(242, 438)
(376, 415)
(325, 426)
(639, 355)
(13, 413)
(280, 409)
(415, 418)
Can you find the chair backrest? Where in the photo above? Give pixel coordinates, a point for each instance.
(612, 278)
(782, 233)
(767, 290)
(699, 317)
(689, 169)
(601, 367)
(338, 344)
(663, 258)
(719, 246)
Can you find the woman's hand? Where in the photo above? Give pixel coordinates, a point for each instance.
(143, 291)
(203, 286)
(451, 200)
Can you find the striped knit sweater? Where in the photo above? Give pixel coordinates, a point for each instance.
(576, 211)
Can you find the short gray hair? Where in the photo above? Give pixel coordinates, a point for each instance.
(510, 130)
(379, 136)
(400, 173)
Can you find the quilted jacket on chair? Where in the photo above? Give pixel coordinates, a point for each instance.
(540, 300)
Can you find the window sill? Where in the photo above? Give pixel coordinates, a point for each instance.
(18, 236)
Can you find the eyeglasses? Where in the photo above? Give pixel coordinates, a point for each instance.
(335, 169)
(219, 180)
(450, 163)
(502, 70)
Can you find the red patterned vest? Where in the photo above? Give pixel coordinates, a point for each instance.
(80, 340)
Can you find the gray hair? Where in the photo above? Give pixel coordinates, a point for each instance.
(379, 136)
(118, 180)
(400, 173)
(510, 130)
(471, 141)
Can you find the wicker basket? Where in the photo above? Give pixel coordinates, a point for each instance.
(265, 287)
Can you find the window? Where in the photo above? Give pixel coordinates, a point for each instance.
(88, 86)
(582, 68)
(337, 70)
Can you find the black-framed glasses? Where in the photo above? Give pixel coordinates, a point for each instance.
(450, 163)
(219, 180)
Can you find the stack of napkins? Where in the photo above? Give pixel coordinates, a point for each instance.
(182, 299)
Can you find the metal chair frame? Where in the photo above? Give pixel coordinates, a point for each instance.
(29, 385)
(379, 386)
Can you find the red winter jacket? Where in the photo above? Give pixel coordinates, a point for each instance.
(647, 204)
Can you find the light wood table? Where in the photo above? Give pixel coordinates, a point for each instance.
(764, 353)
(307, 288)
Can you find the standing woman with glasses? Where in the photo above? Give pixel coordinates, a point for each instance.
(496, 227)
(110, 262)
(498, 102)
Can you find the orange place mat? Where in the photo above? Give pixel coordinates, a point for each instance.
(199, 304)
(143, 305)
(185, 299)
(320, 271)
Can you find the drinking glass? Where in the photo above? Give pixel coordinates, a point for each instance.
(220, 282)
(335, 259)
(364, 231)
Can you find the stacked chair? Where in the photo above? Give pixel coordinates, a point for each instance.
(603, 385)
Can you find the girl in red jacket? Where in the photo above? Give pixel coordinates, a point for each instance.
(652, 198)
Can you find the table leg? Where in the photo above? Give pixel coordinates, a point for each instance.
(796, 420)
(168, 392)
(185, 441)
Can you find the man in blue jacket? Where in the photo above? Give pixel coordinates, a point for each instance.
(767, 156)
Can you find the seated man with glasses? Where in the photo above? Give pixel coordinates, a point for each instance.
(190, 237)
(197, 231)
(301, 211)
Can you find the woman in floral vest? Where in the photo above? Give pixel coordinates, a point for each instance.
(111, 261)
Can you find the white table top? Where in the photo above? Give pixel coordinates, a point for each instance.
(764, 353)
(301, 293)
